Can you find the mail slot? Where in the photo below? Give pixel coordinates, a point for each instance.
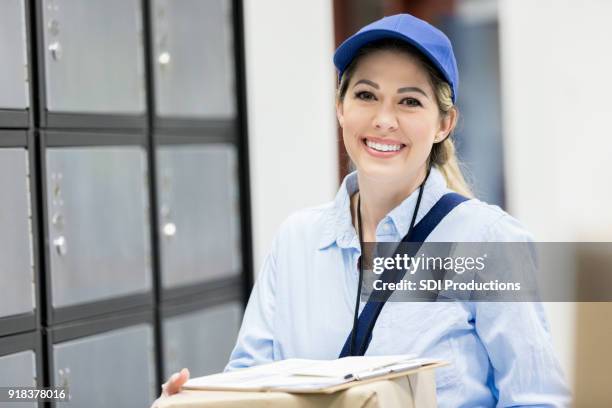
(111, 369)
(16, 260)
(98, 223)
(19, 369)
(199, 213)
(194, 58)
(93, 56)
(13, 69)
(201, 340)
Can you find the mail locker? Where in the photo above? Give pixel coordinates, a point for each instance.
(16, 259)
(199, 213)
(193, 55)
(19, 358)
(14, 92)
(202, 340)
(18, 370)
(110, 369)
(98, 223)
(93, 56)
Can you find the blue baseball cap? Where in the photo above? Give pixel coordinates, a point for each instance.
(433, 43)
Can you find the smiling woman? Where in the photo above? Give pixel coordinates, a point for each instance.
(395, 104)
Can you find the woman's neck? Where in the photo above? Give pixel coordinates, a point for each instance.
(378, 199)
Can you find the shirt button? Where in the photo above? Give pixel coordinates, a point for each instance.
(387, 228)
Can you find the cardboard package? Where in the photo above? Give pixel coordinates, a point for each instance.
(413, 389)
(593, 358)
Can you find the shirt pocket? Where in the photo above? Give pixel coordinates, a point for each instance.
(427, 329)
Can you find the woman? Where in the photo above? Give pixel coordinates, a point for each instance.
(395, 104)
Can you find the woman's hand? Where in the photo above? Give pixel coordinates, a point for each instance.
(173, 385)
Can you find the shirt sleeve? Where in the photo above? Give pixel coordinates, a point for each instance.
(525, 370)
(255, 344)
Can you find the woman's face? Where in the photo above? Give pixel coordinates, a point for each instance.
(390, 117)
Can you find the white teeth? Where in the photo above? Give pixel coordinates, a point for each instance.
(383, 147)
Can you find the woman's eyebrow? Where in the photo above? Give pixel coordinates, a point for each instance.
(400, 90)
(412, 89)
(368, 82)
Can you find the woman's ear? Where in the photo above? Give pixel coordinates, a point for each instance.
(447, 125)
(340, 112)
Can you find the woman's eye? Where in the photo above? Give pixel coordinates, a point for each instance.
(364, 95)
(410, 102)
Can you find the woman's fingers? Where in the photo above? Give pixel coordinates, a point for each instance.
(183, 377)
(175, 383)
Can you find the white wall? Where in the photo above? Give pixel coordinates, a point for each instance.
(291, 114)
(556, 65)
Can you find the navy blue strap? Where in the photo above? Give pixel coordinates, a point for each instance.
(371, 311)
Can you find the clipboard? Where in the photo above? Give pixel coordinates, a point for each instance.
(313, 385)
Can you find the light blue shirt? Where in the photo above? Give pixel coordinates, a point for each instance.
(303, 302)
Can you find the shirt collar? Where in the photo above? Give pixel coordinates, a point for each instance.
(338, 223)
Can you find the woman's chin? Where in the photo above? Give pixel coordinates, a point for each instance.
(382, 173)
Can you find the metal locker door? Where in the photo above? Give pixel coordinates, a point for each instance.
(98, 223)
(13, 70)
(199, 208)
(201, 340)
(194, 58)
(94, 56)
(18, 370)
(112, 369)
(16, 260)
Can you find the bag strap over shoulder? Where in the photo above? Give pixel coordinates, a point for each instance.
(371, 311)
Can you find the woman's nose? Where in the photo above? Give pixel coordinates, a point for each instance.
(385, 120)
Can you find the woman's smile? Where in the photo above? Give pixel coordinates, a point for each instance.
(382, 147)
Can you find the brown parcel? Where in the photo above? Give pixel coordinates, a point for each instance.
(414, 389)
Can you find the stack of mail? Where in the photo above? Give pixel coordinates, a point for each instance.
(302, 375)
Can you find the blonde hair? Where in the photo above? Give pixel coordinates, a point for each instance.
(443, 154)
